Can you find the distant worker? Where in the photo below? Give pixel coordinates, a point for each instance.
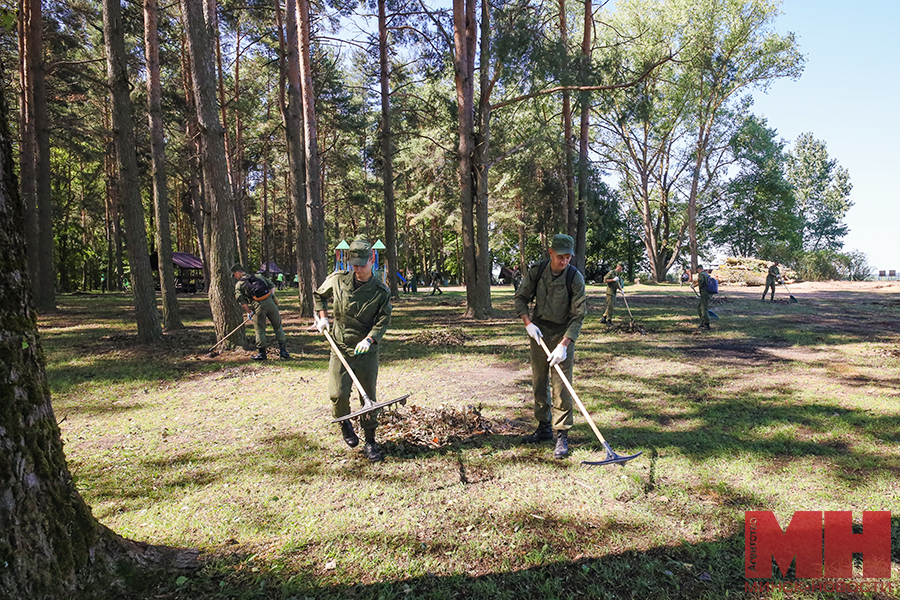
(702, 284)
(436, 282)
(257, 298)
(773, 276)
(613, 285)
(362, 314)
(557, 289)
(279, 279)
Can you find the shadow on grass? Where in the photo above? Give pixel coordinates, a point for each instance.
(704, 570)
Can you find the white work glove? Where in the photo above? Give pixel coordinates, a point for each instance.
(533, 331)
(363, 347)
(322, 324)
(558, 355)
(249, 316)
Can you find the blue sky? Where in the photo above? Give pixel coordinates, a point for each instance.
(848, 97)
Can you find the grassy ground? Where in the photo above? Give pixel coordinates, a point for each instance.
(783, 407)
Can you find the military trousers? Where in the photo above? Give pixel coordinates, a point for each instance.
(770, 283)
(703, 308)
(552, 400)
(340, 384)
(267, 310)
(610, 303)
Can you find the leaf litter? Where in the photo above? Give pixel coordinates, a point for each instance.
(432, 428)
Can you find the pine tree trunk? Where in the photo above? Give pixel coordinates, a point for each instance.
(464, 36)
(292, 115)
(390, 209)
(313, 174)
(171, 314)
(143, 287)
(38, 131)
(26, 148)
(581, 226)
(222, 247)
(481, 173)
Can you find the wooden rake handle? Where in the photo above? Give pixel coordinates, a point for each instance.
(575, 397)
(246, 320)
(362, 392)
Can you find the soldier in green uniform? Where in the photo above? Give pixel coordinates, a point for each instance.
(257, 297)
(557, 289)
(362, 314)
(773, 276)
(702, 308)
(612, 286)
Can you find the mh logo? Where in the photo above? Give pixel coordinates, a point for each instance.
(818, 545)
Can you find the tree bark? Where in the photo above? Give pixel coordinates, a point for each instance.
(38, 155)
(311, 144)
(481, 172)
(390, 209)
(26, 146)
(464, 39)
(143, 287)
(171, 314)
(584, 133)
(222, 248)
(292, 115)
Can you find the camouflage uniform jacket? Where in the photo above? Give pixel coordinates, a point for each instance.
(552, 304)
(358, 314)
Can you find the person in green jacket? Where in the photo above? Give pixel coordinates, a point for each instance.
(701, 285)
(257, 297)
(558, 291)
(362, 314)
(613, 285)
(773, 276)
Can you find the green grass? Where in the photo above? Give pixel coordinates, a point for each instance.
(780, 407)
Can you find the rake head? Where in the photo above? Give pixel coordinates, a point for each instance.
(611, 457)
(372, 406)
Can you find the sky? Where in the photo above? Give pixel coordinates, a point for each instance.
(849, 98)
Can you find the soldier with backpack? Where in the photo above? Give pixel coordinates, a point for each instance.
(257, 297)
(613, 285)
(558, 291)
(702, 284)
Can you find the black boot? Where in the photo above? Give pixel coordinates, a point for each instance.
(543, 433)
(562, 444)
(260, 355)
(370, 448)
(283, 353)
(350, 436)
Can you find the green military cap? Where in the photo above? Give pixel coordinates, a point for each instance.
(237, 267)
(360, 252)
(563, 244)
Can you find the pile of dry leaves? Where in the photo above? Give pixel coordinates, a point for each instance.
(438, 427)
(454, 336)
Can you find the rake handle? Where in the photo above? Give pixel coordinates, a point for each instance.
(362, 392)
(575, 397)
(626, 304)
(229, 335)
